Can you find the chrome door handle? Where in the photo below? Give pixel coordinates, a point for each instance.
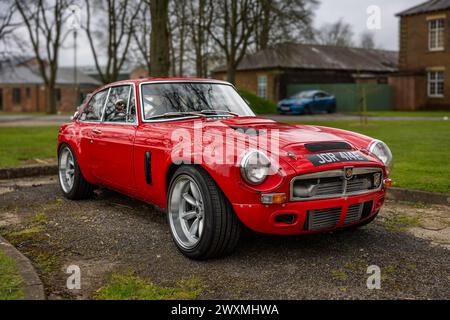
(96, 131)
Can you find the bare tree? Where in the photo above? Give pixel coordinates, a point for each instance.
(339, 33)
(142, 36)
(234, 25)
(367, 40)
(200, 23)
(284, 20)
(43, 21)
(119, 27)
(159, 49)
(8, 10)
(179, 33)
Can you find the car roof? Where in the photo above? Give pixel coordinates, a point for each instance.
(156, 80)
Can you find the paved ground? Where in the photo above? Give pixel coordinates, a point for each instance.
(112, 233)
(42, 120)
(32, 120)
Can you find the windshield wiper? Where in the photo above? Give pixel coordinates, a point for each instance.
(176, 115)
(217, 112)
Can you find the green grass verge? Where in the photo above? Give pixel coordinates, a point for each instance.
(10, 281)
(407, 113)
(19, 145)
(259, 105)
(131, 287)
(420, 148)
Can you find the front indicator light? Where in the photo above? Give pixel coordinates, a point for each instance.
(273, 198)
(387, 183)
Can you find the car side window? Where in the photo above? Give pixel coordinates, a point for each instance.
(131, 116)
(94, 109)
(117, 105)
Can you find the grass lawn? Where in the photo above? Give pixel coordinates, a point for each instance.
(10, 281)
(407, 113)
(20, 145)
(130, 287)
(421, 150)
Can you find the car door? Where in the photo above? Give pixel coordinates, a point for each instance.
(88, 120)
(320, 102)
(114, 139)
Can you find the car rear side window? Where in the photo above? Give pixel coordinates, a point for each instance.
(94, 109)
(119, 107)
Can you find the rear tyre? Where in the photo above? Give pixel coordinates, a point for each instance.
(202, 222)
(71, 181)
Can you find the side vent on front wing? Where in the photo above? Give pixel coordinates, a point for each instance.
(148, 167)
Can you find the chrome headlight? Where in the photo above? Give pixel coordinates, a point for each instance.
(255, 167)
(382, 152)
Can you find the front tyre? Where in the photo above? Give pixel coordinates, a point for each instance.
(202, 221)
(71, 181)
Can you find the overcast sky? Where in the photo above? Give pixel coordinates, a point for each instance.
(354, 12)
(351, 11)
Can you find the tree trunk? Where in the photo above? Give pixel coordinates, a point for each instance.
(159, 51)
(51, 99)
(231, 72)
(265, 25)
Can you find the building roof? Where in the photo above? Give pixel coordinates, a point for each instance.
(429, 6)
(320, 57)
(30, 75)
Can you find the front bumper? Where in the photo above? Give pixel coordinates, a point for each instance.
(263, 218)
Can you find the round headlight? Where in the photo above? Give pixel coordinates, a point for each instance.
(255, 167)
(381, 151)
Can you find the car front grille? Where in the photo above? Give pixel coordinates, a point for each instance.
(333, 184)
(354, 213)
(323, 219)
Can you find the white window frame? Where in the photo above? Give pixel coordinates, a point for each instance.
(435, 78)
(262, 86)
(436, 35)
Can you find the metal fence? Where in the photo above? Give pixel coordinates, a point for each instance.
(350, 97)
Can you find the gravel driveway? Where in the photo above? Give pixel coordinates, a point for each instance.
(113, 233)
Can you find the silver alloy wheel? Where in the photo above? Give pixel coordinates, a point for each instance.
(66, 169)
(186, 211)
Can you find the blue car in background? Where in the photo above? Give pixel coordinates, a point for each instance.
(308, 102)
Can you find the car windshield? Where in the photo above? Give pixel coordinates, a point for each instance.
(189, 98)
(303, 95)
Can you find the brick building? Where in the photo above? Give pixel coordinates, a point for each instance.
(22, 89)
(423, 81)
(270, 72)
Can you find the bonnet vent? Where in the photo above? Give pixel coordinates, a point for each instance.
(327, 146)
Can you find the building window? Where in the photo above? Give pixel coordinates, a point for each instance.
(436, 84)
(436, 34)
(16, 96)
(1, 99)
(262, 87)
(28, 93)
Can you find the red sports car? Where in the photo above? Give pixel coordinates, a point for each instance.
(195, 148)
